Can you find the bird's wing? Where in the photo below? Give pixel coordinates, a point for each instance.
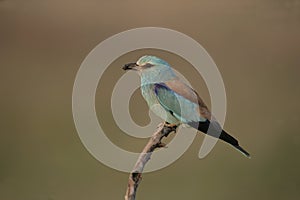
(182, 101)
(186, 105)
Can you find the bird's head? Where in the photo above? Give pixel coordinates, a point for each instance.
(151, 69)
(149, 65)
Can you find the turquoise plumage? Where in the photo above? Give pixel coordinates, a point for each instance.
(174, 101)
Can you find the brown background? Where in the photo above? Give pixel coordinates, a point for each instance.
(255, 44)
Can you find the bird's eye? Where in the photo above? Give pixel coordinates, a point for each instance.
(147, 65)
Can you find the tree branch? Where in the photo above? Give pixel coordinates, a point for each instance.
(135, 176)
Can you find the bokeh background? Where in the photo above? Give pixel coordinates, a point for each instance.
(255, 44)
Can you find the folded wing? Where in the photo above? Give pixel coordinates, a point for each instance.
(181, 101)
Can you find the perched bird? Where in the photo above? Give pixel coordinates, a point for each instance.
(174, 101)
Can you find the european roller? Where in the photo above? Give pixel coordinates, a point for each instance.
(174, 101)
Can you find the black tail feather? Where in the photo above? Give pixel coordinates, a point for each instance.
(204, 126)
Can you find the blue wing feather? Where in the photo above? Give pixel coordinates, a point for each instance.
(180, 107)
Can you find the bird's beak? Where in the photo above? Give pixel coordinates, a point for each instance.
(129, 66)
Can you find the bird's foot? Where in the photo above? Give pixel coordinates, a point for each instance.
(167, 124)
(171, 127)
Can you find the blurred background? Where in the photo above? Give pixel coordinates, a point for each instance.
(255, 45)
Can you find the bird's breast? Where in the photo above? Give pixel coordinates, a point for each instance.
(149, 95)
(154, 105)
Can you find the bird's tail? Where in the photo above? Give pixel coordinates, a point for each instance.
(211, 130)
(231, 140)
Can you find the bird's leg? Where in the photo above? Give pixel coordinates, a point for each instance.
(169, 126)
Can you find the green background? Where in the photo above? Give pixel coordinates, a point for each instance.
(255, 45)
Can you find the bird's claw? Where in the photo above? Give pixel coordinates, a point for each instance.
(170, 125)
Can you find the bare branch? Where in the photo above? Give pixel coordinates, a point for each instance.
(135, 176)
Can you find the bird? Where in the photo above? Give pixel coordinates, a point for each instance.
(176, 102)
